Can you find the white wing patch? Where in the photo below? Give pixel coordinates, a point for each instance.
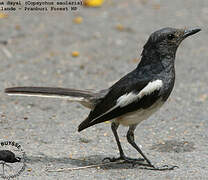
(131, 97)
(126, 99)
(150, 88)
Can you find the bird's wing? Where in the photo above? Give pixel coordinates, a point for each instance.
(127, 95)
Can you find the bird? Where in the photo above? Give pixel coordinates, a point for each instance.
(7, 156)
(133, 98)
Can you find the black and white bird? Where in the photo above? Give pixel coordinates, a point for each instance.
(134, 97)
(7, 156)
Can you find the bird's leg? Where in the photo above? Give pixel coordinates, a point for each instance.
(114, 127)
(130, 138)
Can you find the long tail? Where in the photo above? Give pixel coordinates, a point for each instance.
(85, 97)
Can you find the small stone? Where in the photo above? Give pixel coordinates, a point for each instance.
(93, 3)
(78, 20)
(3, 15)
(29, 170)
(119, 27)
(75, 53)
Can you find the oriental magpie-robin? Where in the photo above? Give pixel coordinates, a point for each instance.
(134, 97)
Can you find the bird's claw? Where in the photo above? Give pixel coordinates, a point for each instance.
(110, 159)
(139, 162)
(163, 168)
(106, 158)
(124, 160)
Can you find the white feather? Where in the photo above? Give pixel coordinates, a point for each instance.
(131, 97)
(138, 116)
(126, 99)
(70, 98)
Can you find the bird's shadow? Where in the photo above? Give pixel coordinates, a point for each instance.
(167, 146)
(78, 162)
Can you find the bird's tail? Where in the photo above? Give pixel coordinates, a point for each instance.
(85, 97)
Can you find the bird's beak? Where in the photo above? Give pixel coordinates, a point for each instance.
(189, 32)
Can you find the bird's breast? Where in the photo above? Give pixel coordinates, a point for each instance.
(138, 116)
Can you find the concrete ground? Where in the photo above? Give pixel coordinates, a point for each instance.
(36, 50)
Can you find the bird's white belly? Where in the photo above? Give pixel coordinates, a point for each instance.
(138, 116)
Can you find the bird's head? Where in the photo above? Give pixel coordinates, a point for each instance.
(166, 41)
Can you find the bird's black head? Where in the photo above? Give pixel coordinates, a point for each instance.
(165, 42)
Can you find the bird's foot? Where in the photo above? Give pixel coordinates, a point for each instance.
(161, 168)
(125, 159)
(139, 162)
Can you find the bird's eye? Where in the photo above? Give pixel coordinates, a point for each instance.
(171, 36)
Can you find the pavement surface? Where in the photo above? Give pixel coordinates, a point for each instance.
(36, 50)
